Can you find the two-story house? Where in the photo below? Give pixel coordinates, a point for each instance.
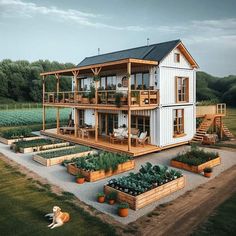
(135, 101)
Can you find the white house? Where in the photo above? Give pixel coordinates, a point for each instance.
(147, 90)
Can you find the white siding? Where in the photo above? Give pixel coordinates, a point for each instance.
(155, 127)
(166, 127)
(170, 62)
(167, 84)
(89, 117)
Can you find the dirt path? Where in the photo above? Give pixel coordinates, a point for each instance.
(182, 215)
(179, 217)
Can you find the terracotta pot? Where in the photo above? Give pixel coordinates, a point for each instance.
(111, 201)
(101, 199)
(208, 175)
(123, 212)
(80, 180)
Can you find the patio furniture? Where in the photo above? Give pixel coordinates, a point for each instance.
(84, 132)
(67, 130)
(209, 139)
(119, 135)
(142, 139)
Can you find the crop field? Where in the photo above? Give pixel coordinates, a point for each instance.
(30, 116)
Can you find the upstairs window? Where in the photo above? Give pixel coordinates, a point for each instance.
(182, 89)
(140, 81)
(177, 57)
(178, 122)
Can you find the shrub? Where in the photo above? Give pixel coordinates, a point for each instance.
(208, 170)
(101, 194)
(196, 156)
(112, 196)
(17, 133)
(79, 176)
(123, 205)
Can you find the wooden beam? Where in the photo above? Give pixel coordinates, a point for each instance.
(96, 125)
(129, 104)
(76, 122)
(44, 118)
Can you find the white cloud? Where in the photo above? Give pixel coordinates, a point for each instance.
(18, 8)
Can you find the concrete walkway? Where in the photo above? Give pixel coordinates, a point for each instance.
(57, 175)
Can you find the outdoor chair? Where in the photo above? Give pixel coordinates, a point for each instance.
(142, 139)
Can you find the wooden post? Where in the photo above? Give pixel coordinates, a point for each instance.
(58, 87)
(58, 120)
(44, 111)
(75, 74)
(96, 72)
(129, 103)
(76, 122)
(96, 125)
(221, 128)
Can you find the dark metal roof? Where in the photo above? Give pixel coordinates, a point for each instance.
(154, 52)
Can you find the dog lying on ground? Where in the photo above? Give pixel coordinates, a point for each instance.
(58, 218)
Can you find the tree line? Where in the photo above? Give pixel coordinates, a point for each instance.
(20, 82)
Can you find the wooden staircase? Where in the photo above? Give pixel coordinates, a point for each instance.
(202, 129)
(225, 130)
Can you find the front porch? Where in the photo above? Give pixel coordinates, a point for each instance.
(103, 143)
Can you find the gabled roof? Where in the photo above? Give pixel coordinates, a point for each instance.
(154, 52)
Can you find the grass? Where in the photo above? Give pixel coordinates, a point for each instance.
(230, 120)
(221, 222)
(24, 202)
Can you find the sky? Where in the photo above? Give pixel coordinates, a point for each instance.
(70, 30)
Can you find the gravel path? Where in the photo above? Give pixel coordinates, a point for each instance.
(57, 175)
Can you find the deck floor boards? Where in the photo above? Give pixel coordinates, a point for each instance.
(104, 144)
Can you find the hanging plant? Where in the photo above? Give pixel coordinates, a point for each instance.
(96, 78)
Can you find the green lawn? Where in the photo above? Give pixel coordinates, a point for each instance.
(23, 205)
(221, 222)
(230, 120)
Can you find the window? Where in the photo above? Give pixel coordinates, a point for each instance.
(141, 122)
(182, 90)
(178, 122)
(81, 118)
(177, 57)
(81, 84)
(108, 82)
(140, 81)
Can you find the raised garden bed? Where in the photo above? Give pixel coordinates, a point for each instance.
(11, 136)
(93, 169)
(150, 184)
(37, 145)
(196, 160)
(49, 158)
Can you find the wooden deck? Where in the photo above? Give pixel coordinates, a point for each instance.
(104, 144)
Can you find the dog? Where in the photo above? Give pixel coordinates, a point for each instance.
(58, 218)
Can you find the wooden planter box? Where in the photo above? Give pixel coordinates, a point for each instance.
(196, 169)
(93, 176)
(40, 148)
(11, 141)
(60, 159)
(144, 199)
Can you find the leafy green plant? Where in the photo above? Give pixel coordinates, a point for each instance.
(123, 205)
(69, 151)
(118, 97)
(101, 161)
(79, 176)
(111, 196)
(17, 133)
(208, 170)
(147, 178)
(101, 194)
(196, 156)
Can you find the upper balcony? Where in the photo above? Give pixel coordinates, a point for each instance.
(104, 99)
(212, 109)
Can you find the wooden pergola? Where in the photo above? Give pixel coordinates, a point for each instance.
(95, 70)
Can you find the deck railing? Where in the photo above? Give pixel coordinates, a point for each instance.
(217, 109)
(104, 97)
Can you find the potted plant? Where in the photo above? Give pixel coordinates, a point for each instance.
(207, 172)
(85, 98)
(101, 197)
(91, 94)
(123, 209)
(80, 179)
(118, 98)
(111, 197)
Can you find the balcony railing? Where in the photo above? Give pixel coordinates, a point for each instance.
(215, 109)
(104, 97)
